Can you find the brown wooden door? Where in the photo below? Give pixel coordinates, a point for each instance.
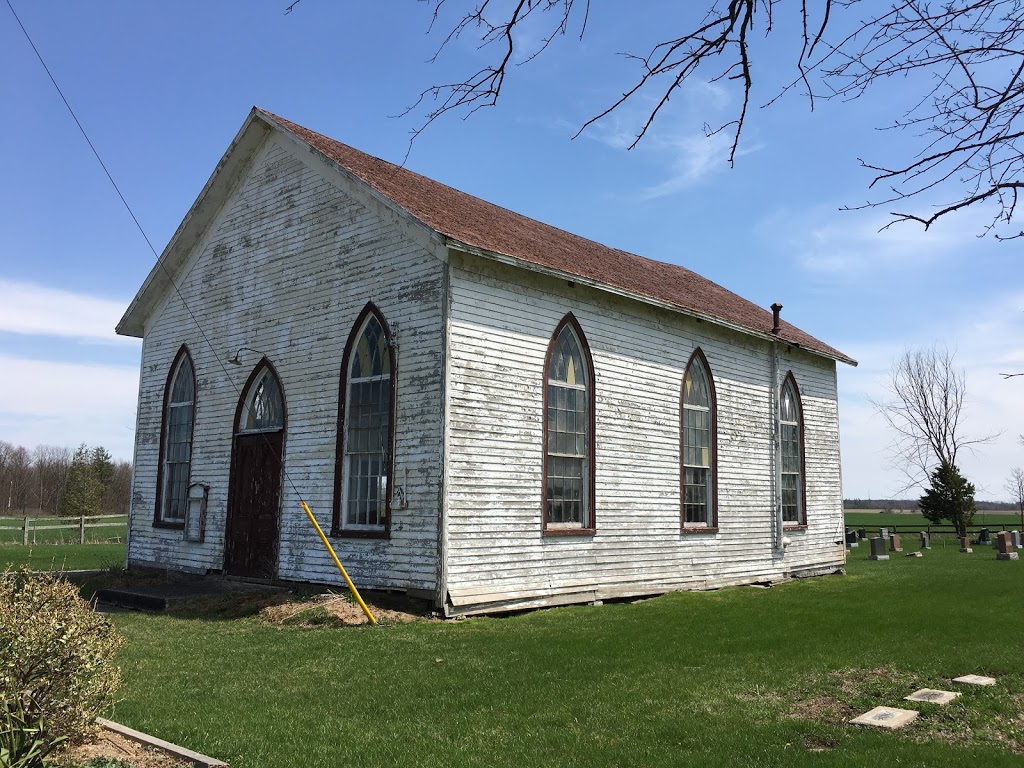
(255, 501)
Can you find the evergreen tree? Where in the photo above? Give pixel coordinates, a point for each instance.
(950, 497)
(83, 490)
(102, 465)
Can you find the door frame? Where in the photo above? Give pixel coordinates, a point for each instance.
(235, 433)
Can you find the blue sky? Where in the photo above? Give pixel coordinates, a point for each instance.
(163, 88)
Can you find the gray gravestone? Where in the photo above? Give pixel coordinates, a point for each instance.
(878, 549)
(862, 534)
(895, 545)
(1015, 538)
(883, 532)
(983, 537)
(851, 538)
(926, 540)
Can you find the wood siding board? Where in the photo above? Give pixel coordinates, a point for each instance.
(500, 326)
(285, 268)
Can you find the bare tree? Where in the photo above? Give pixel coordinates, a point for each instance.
(925, 412)
(1015, 487)
(961, 66)
(51, 474)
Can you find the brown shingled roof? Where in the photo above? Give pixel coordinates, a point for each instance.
(489, 227)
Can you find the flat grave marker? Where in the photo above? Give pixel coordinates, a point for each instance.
(932, 696)
(886, 717)
(975, 680)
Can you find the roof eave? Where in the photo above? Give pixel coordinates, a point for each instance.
(503, 258)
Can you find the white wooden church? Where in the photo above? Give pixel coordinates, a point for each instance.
(480, 409)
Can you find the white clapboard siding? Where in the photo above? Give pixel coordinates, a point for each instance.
(285, 268)
(501, 321)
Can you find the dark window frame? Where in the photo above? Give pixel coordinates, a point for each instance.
(712, 526)
(182, 354)
(337, 522)
(801, 521)
(590, 486)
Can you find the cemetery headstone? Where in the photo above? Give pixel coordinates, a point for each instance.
(862, 533)
(878, 549)
(983, 537)
(851, 538)
(895, 545)
(1004, 547)
(965, 545)
(926, 540)
(1015, 538)
(883, 532)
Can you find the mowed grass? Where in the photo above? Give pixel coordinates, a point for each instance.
(737, 677)
(63, 557)
(11, 531)
(904, 522)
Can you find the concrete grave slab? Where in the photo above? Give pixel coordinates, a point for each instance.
(975, 680)
(932, 696)
(886, 717)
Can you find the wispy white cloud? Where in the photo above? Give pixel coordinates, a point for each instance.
(676, 139)
(45, 402)
(828, 242)
(32, 309)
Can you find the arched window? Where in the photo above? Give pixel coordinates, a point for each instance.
(362, 499)
(263, 410)
(791, 424)
(569, 432)
(176, 442)
(698, 445)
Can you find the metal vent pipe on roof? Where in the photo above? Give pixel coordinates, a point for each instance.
(776, 308)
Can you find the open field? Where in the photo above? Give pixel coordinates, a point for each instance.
(914, 521)
(737, 677)
(113, 528)
(63, 557)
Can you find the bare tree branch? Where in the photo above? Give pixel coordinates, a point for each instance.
(961, 64)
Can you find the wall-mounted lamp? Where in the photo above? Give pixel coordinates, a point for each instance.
(236, 359)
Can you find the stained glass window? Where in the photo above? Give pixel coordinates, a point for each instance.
(367, 429)
(698, 445)
(567, 433)
(177, 442)
(792, 455)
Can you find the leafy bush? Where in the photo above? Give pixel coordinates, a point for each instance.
(56, 660)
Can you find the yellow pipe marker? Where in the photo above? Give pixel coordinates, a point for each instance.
(352, 587)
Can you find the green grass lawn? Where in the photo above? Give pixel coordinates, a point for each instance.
(737, 677)
(11, 532)
(63, 557)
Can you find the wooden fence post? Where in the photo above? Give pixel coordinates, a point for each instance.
(24, 538)
(81, 530)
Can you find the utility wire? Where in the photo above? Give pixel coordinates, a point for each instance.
(159, 259)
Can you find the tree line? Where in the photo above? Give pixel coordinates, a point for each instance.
(58, 481)
(911, 504)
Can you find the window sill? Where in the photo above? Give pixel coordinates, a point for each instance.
(691, 529)
(795, 527)
(344, 533)
(175, 526)
(570, 531)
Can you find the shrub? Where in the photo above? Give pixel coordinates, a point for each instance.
(56, 658)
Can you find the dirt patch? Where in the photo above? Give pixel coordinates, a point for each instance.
(328, 609)
(113, 746)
